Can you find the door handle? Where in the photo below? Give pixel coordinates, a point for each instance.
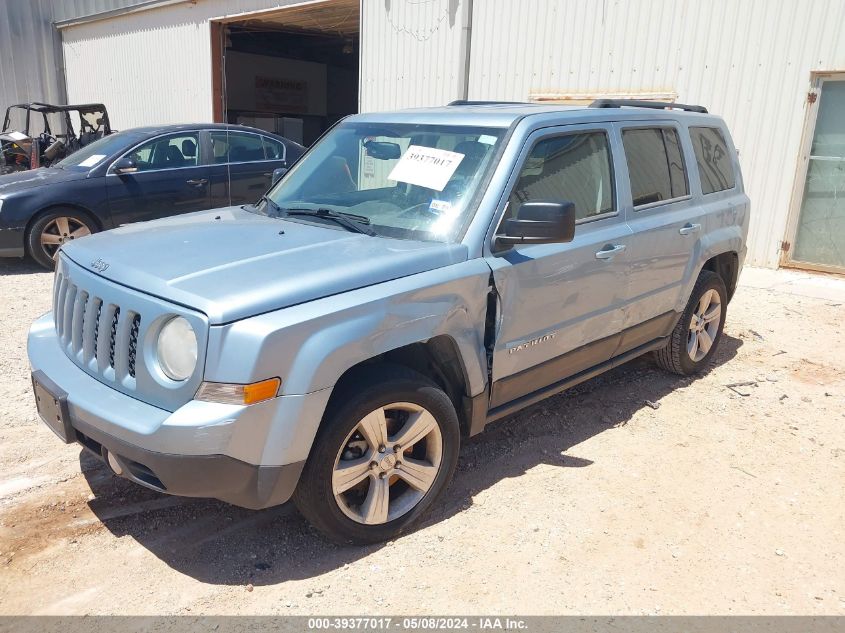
(197, 182)
(688, 228)
(268, 174)
(610, 251)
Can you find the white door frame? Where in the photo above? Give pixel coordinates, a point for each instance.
(817, 79)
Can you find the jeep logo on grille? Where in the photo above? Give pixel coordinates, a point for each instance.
(99, 265)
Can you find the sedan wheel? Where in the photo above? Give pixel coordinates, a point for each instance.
(51, 231)
(60, 230)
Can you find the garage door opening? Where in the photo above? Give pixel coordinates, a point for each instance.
(293, 71)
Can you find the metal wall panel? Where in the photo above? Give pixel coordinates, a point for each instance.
(410, 53)
(30, 47)
(746, 60)
(28, 63)
(151, 66)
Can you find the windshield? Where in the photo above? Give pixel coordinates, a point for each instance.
(94, 153)
(408, 181)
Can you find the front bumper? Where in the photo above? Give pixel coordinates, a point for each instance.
(214, 476)
(233, 453)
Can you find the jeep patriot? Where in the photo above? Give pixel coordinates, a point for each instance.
(414, 276)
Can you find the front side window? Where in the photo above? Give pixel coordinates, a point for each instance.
(236, 147)
(168, 152)
(655, 165)
(715, 169)
(572, 168)
(407, 181)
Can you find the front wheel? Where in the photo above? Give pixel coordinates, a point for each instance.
(381, 458)
(53, 229)
(699, 330)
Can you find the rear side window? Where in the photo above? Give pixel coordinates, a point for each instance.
(574, 168)
(273, 149)
(236, 147)
(655, 164)
(714, 163)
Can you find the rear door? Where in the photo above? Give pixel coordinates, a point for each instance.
(560, 304)
(666, 222)
(170, 180)
(242, 165)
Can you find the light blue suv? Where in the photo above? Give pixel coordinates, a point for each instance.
(415, 276)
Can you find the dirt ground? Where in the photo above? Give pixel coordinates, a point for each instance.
(635, 493)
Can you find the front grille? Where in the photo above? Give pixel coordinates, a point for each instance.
(99, 335)
(133, 342)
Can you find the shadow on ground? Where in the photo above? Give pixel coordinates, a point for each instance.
(19, 266)
(221, 544)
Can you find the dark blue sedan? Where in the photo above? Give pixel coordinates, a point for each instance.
(136, 175)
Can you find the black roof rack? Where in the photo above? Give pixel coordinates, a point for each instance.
(464, 102)
(657, 105)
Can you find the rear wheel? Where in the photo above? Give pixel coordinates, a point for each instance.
(699, 330)
(381, 459)
(50, 231)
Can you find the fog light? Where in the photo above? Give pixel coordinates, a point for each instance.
(239, 394)
(114, 464)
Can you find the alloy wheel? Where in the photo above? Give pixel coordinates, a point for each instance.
(704, 325)
(59, 231)
(387, 463)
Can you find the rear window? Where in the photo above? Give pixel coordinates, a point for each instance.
(715, 169)
(655, 165)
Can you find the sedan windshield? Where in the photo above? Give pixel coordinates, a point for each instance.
(94, 153)
(401, 180)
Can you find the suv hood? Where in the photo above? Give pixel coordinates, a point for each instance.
(232, 264)
(21, 180)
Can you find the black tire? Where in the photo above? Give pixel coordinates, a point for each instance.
(378, 387)
(675, 356)
(46, 224)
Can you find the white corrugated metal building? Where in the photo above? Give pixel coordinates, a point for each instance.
(769, 67)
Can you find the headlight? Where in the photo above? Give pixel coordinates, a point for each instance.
(177, 349)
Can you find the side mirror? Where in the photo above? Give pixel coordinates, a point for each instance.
(125, 166)
(277, 175)
(540, 223)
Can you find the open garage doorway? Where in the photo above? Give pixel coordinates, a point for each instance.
(293, 71)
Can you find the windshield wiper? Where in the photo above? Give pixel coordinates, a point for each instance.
(349, 221)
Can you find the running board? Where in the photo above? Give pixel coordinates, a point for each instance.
(512, 407)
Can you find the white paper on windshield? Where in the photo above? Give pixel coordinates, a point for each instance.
(17, 136)
(92, 160)
(426, 166)
(487, 139)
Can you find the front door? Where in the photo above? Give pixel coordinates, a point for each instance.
(820, 231)
(170, 180)
(561, 305)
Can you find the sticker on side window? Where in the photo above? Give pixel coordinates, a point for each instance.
(427, 167)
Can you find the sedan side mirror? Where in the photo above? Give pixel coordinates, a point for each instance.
(540, 223)
(125, 165)
(277, 174)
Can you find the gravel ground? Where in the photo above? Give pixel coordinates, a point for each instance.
(637, 493)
